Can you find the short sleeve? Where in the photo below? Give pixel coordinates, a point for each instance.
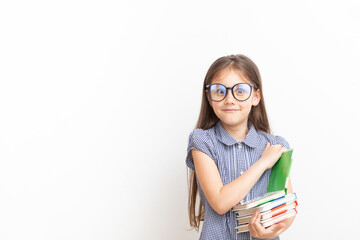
(280, 140)
(199, 139)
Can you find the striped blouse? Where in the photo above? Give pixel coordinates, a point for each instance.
(232, 159)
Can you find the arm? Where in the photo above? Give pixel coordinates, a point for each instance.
(223, 197)
(258, 231)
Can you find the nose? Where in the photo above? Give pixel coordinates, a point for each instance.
(229, 98)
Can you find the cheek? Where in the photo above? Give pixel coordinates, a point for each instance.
(216, 106)
(245, 107)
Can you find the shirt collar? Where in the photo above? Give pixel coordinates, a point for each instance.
(223, 136)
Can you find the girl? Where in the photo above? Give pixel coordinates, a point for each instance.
(231, 152)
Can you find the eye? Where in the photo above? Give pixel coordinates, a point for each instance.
(240, 91)
(220, 91)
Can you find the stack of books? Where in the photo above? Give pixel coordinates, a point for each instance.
(273, 207)
(276, 205)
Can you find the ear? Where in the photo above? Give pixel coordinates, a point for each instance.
(256, 98)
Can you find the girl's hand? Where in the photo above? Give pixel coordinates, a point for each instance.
(272, 154)
(258, 231)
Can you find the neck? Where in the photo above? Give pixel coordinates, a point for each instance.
(237, 132)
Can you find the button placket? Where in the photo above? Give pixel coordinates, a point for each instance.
(239, 147)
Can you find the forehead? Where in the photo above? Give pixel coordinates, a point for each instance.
(230, 77)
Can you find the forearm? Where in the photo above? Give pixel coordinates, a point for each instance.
(234, 192)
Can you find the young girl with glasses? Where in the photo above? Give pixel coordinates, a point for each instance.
(231, 151)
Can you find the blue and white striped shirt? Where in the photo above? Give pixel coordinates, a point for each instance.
(232, 159)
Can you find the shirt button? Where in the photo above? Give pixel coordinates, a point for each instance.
(239, 145)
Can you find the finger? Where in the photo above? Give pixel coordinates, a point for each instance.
(251, 228)
(252, 220)
(276, 148)
(257, 217)
(258, 228)
(256, 220)
(280, 149)
(267, 145)
(285, 149)
(276, 227)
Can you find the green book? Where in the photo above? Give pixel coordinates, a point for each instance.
(280, 172)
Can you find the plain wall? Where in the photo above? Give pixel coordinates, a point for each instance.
(97, 100)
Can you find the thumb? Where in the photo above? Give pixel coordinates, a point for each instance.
(267, 145)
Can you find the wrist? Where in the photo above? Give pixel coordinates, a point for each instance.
(262, 164)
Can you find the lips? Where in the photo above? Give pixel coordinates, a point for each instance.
(231, 110)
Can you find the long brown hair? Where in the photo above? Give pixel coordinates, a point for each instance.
(207, 118)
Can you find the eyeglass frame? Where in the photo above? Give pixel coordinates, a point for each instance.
(207, 87)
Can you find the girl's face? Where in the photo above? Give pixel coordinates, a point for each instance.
(232, 112)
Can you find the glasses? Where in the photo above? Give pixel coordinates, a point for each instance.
(240, 91)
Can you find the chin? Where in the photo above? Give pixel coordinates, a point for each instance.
(231, 122)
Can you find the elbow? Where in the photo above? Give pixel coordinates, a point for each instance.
(220, 209)
(221, 206)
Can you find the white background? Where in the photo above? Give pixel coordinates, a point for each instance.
(97, 99)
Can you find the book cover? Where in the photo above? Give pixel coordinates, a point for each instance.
(280, 172)
(260, 200)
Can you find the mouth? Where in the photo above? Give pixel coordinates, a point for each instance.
(231, 110)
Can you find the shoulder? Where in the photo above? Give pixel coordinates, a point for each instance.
(201, 140)
(274, 139)
(200, 136)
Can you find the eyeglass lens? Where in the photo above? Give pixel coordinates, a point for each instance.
(240, 91)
